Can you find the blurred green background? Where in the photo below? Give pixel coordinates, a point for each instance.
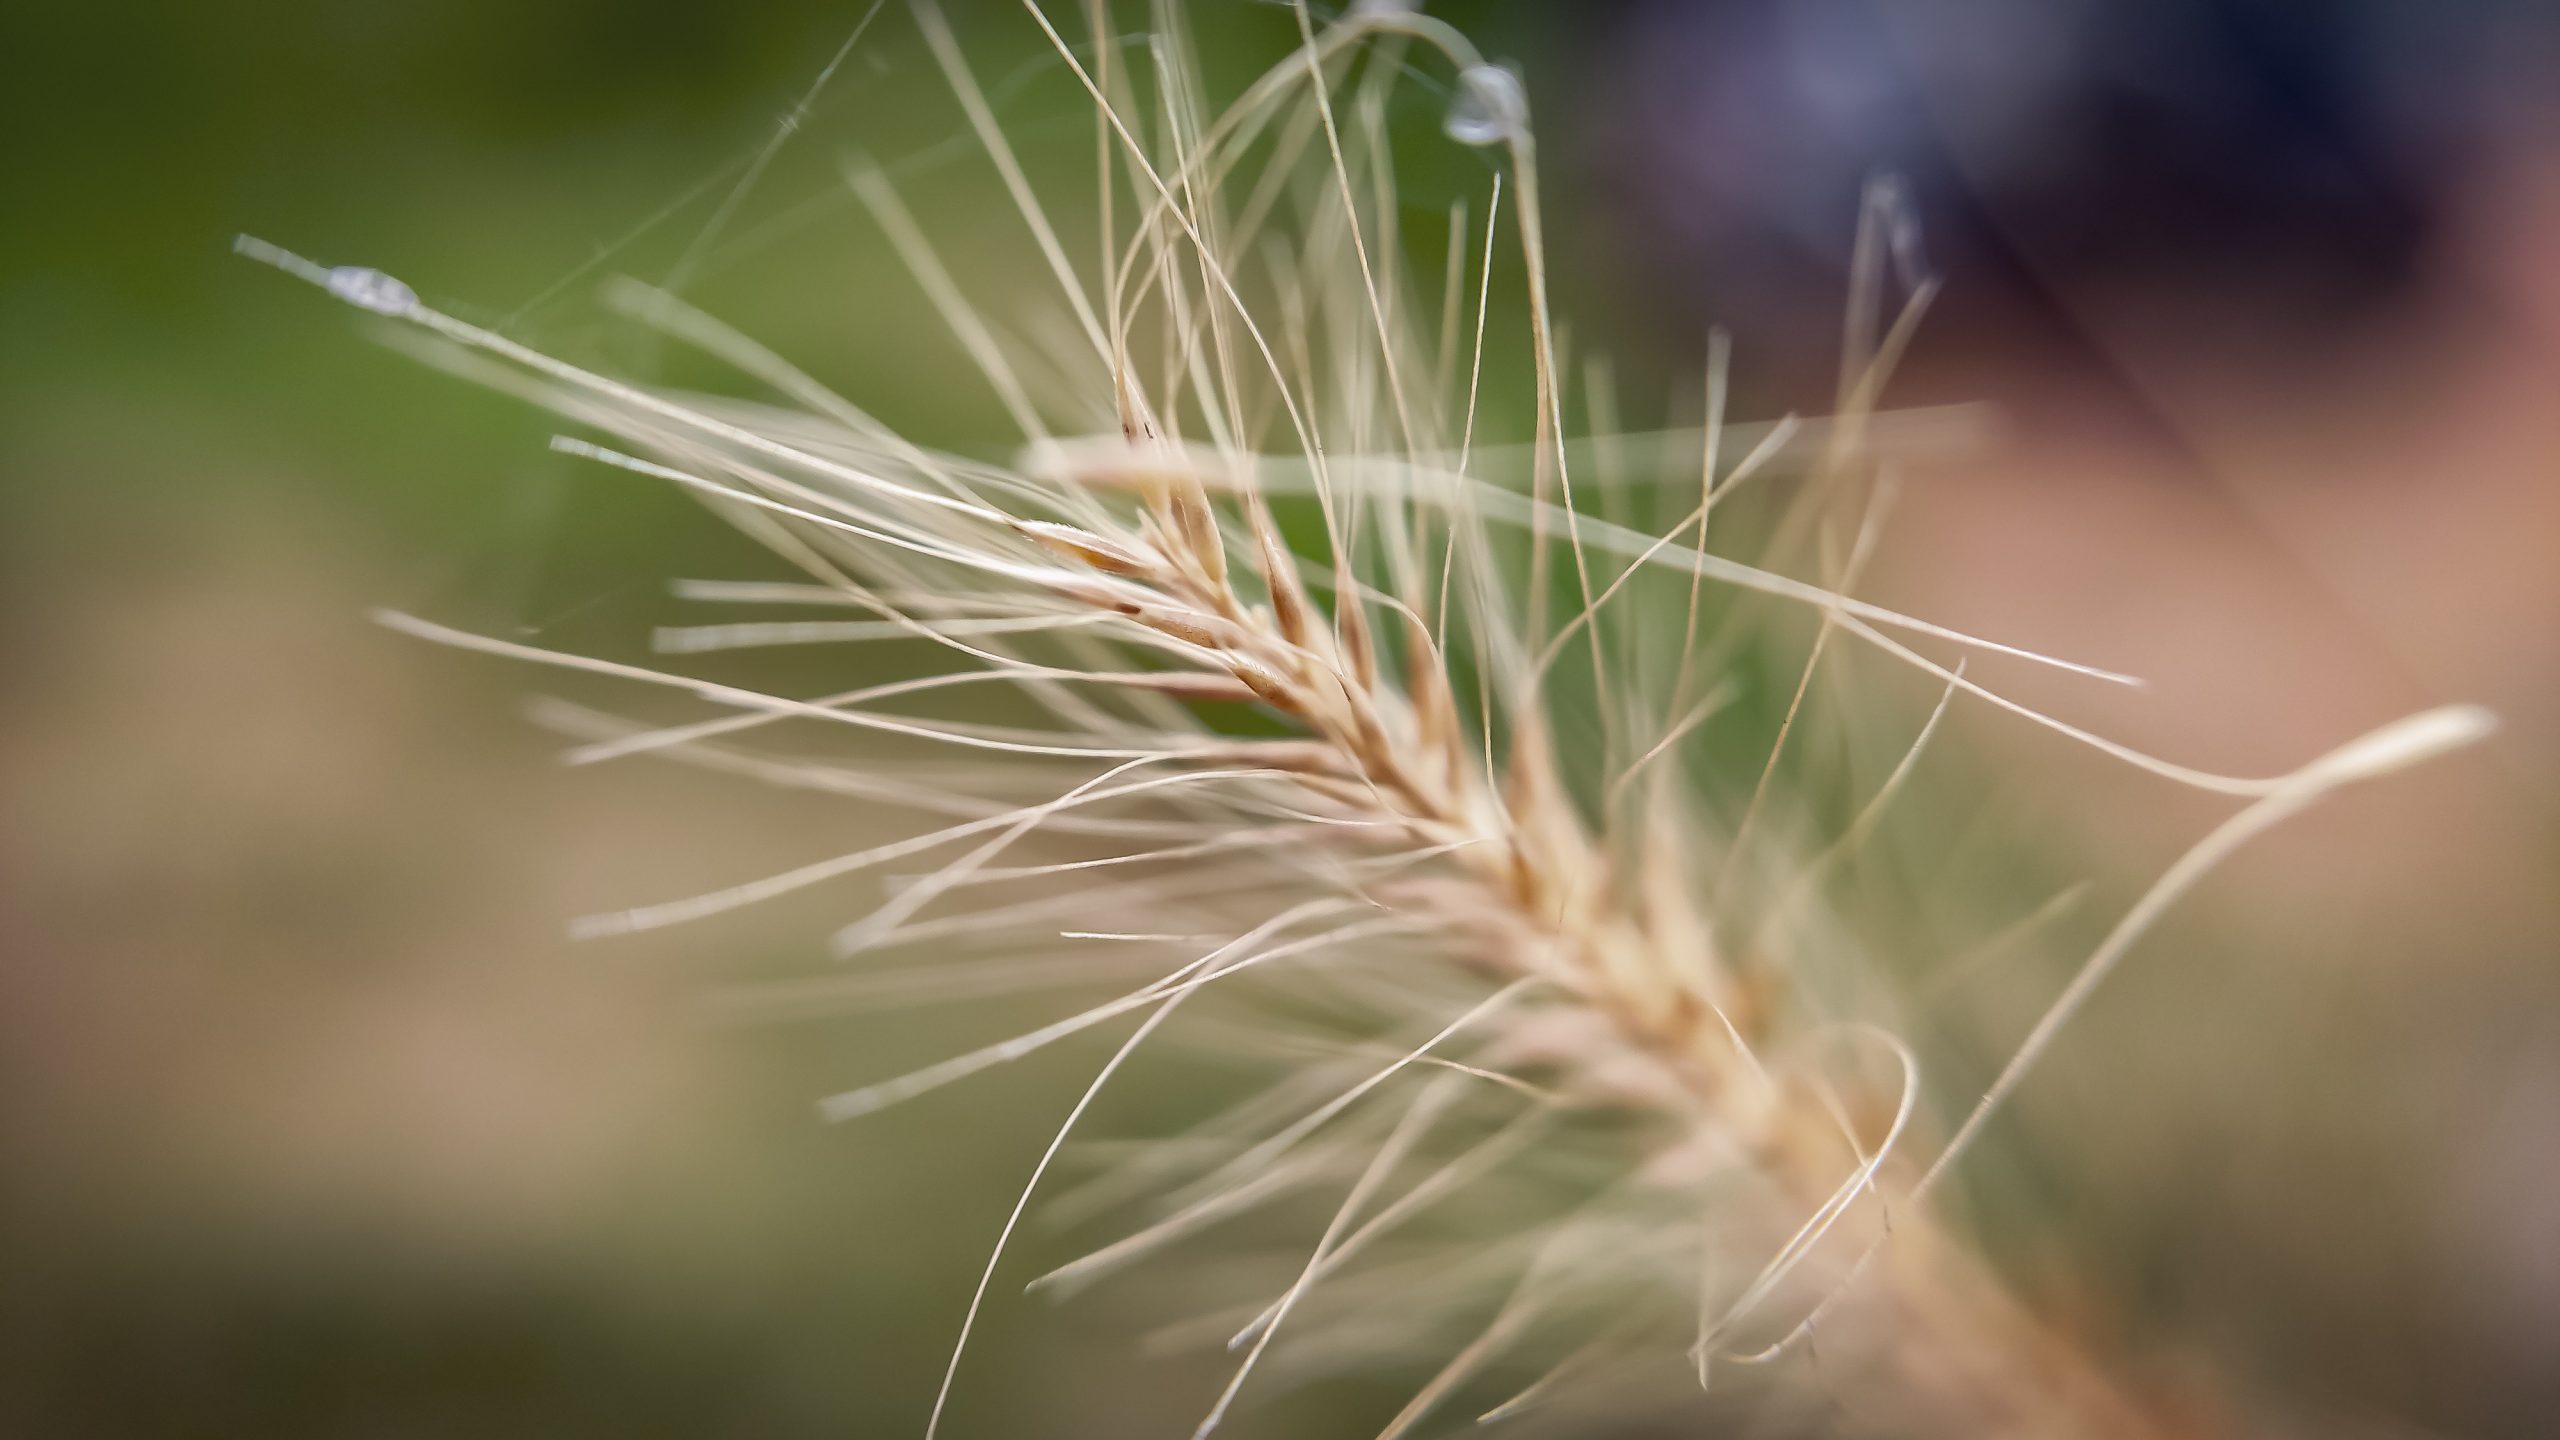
(312, 1123)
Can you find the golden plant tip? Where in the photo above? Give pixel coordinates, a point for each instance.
(1264, 682)
(1112, 557)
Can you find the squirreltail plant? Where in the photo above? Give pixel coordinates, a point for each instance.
(1380, 740)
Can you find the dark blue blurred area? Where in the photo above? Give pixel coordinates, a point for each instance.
(2293, 159)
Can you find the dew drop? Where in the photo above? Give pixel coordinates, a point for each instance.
(1490, 107)
(1898, 210)
(372, 290)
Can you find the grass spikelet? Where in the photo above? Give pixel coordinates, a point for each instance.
(1585, 1075)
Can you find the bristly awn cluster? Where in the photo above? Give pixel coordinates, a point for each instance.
(1579, 1069)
